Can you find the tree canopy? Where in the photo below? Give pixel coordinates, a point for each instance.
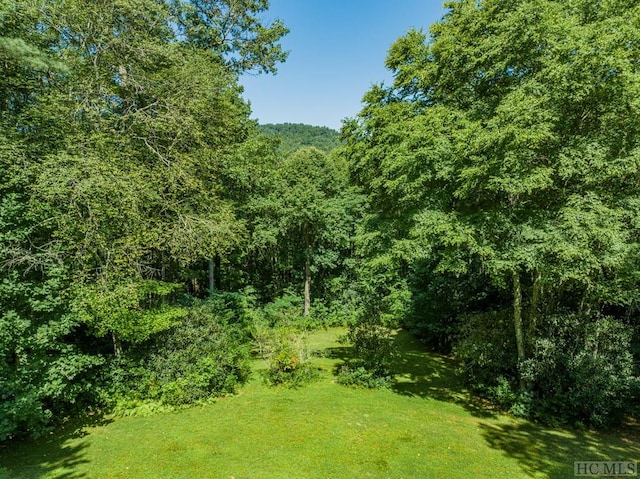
(507, 149)
(118, 123)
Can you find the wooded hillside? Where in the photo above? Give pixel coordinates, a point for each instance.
(294, 136)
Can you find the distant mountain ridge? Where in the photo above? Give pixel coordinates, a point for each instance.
(299, 135)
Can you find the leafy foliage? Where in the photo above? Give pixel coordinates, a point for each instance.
(203, 357)
(232, 30)
(582, 371)
(303, 224)
(287, 356)
(44, 374)
(496, 164)
(133, 311)
(118, 124)
(294, 136)
(373, 354)
(487, 200)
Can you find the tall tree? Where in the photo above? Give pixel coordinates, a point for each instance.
(508, 144)
(117, 127)
(305, 222)
(234, 31)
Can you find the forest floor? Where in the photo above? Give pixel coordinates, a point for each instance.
(425, 426)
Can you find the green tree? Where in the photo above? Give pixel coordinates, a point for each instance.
(294, 136)
(508, 146)
(234, 31)
(117, 129)
(305, 220)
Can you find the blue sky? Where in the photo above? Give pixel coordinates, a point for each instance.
(337, 51)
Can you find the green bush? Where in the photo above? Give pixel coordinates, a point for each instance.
(205, 356)
(45, 375)
(334, 313)
(285, 310)
(582, 371)
(287, 356)
(486, 349)
(441, 302)
(579, 371)
(351, 375)
(373, 355)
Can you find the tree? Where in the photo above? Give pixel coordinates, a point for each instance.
(117, 127)
(233, 30)
(294, 136)
(43, 372)
(305, 220)
(508, 145)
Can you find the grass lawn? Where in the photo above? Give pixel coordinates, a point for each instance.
(425, 426)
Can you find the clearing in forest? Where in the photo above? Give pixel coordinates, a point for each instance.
(425, 426)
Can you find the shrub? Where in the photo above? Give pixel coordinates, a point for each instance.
(287, 355)
(486, 348)
(334, 313)
(204, 357)
(285, 310)
(351, 375)
(441, 302)
(45, 375)
(373, 354)
(580, 370)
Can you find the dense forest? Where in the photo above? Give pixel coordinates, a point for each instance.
(294, 136)
(153, 236)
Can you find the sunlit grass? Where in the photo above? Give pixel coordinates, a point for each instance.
(425, 426)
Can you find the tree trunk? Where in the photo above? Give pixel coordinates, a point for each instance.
(307, 284)
(517, 320)
(307, 275)
(217, 268)
(534, 311)
(212, 284)
(585, 304)
(117, 345)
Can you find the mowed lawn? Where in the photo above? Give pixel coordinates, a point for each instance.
(425, 426)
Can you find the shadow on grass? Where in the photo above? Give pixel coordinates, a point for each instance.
(340, 353)
(552, 452)
(540, 451)
(537, 449)
(421, 373)
(425, 374)
(58, 453)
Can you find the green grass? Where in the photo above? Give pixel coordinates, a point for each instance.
(425, 426)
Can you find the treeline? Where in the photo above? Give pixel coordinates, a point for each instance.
(152, 236)
(294, 136)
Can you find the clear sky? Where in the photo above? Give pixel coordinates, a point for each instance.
(337, 50)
